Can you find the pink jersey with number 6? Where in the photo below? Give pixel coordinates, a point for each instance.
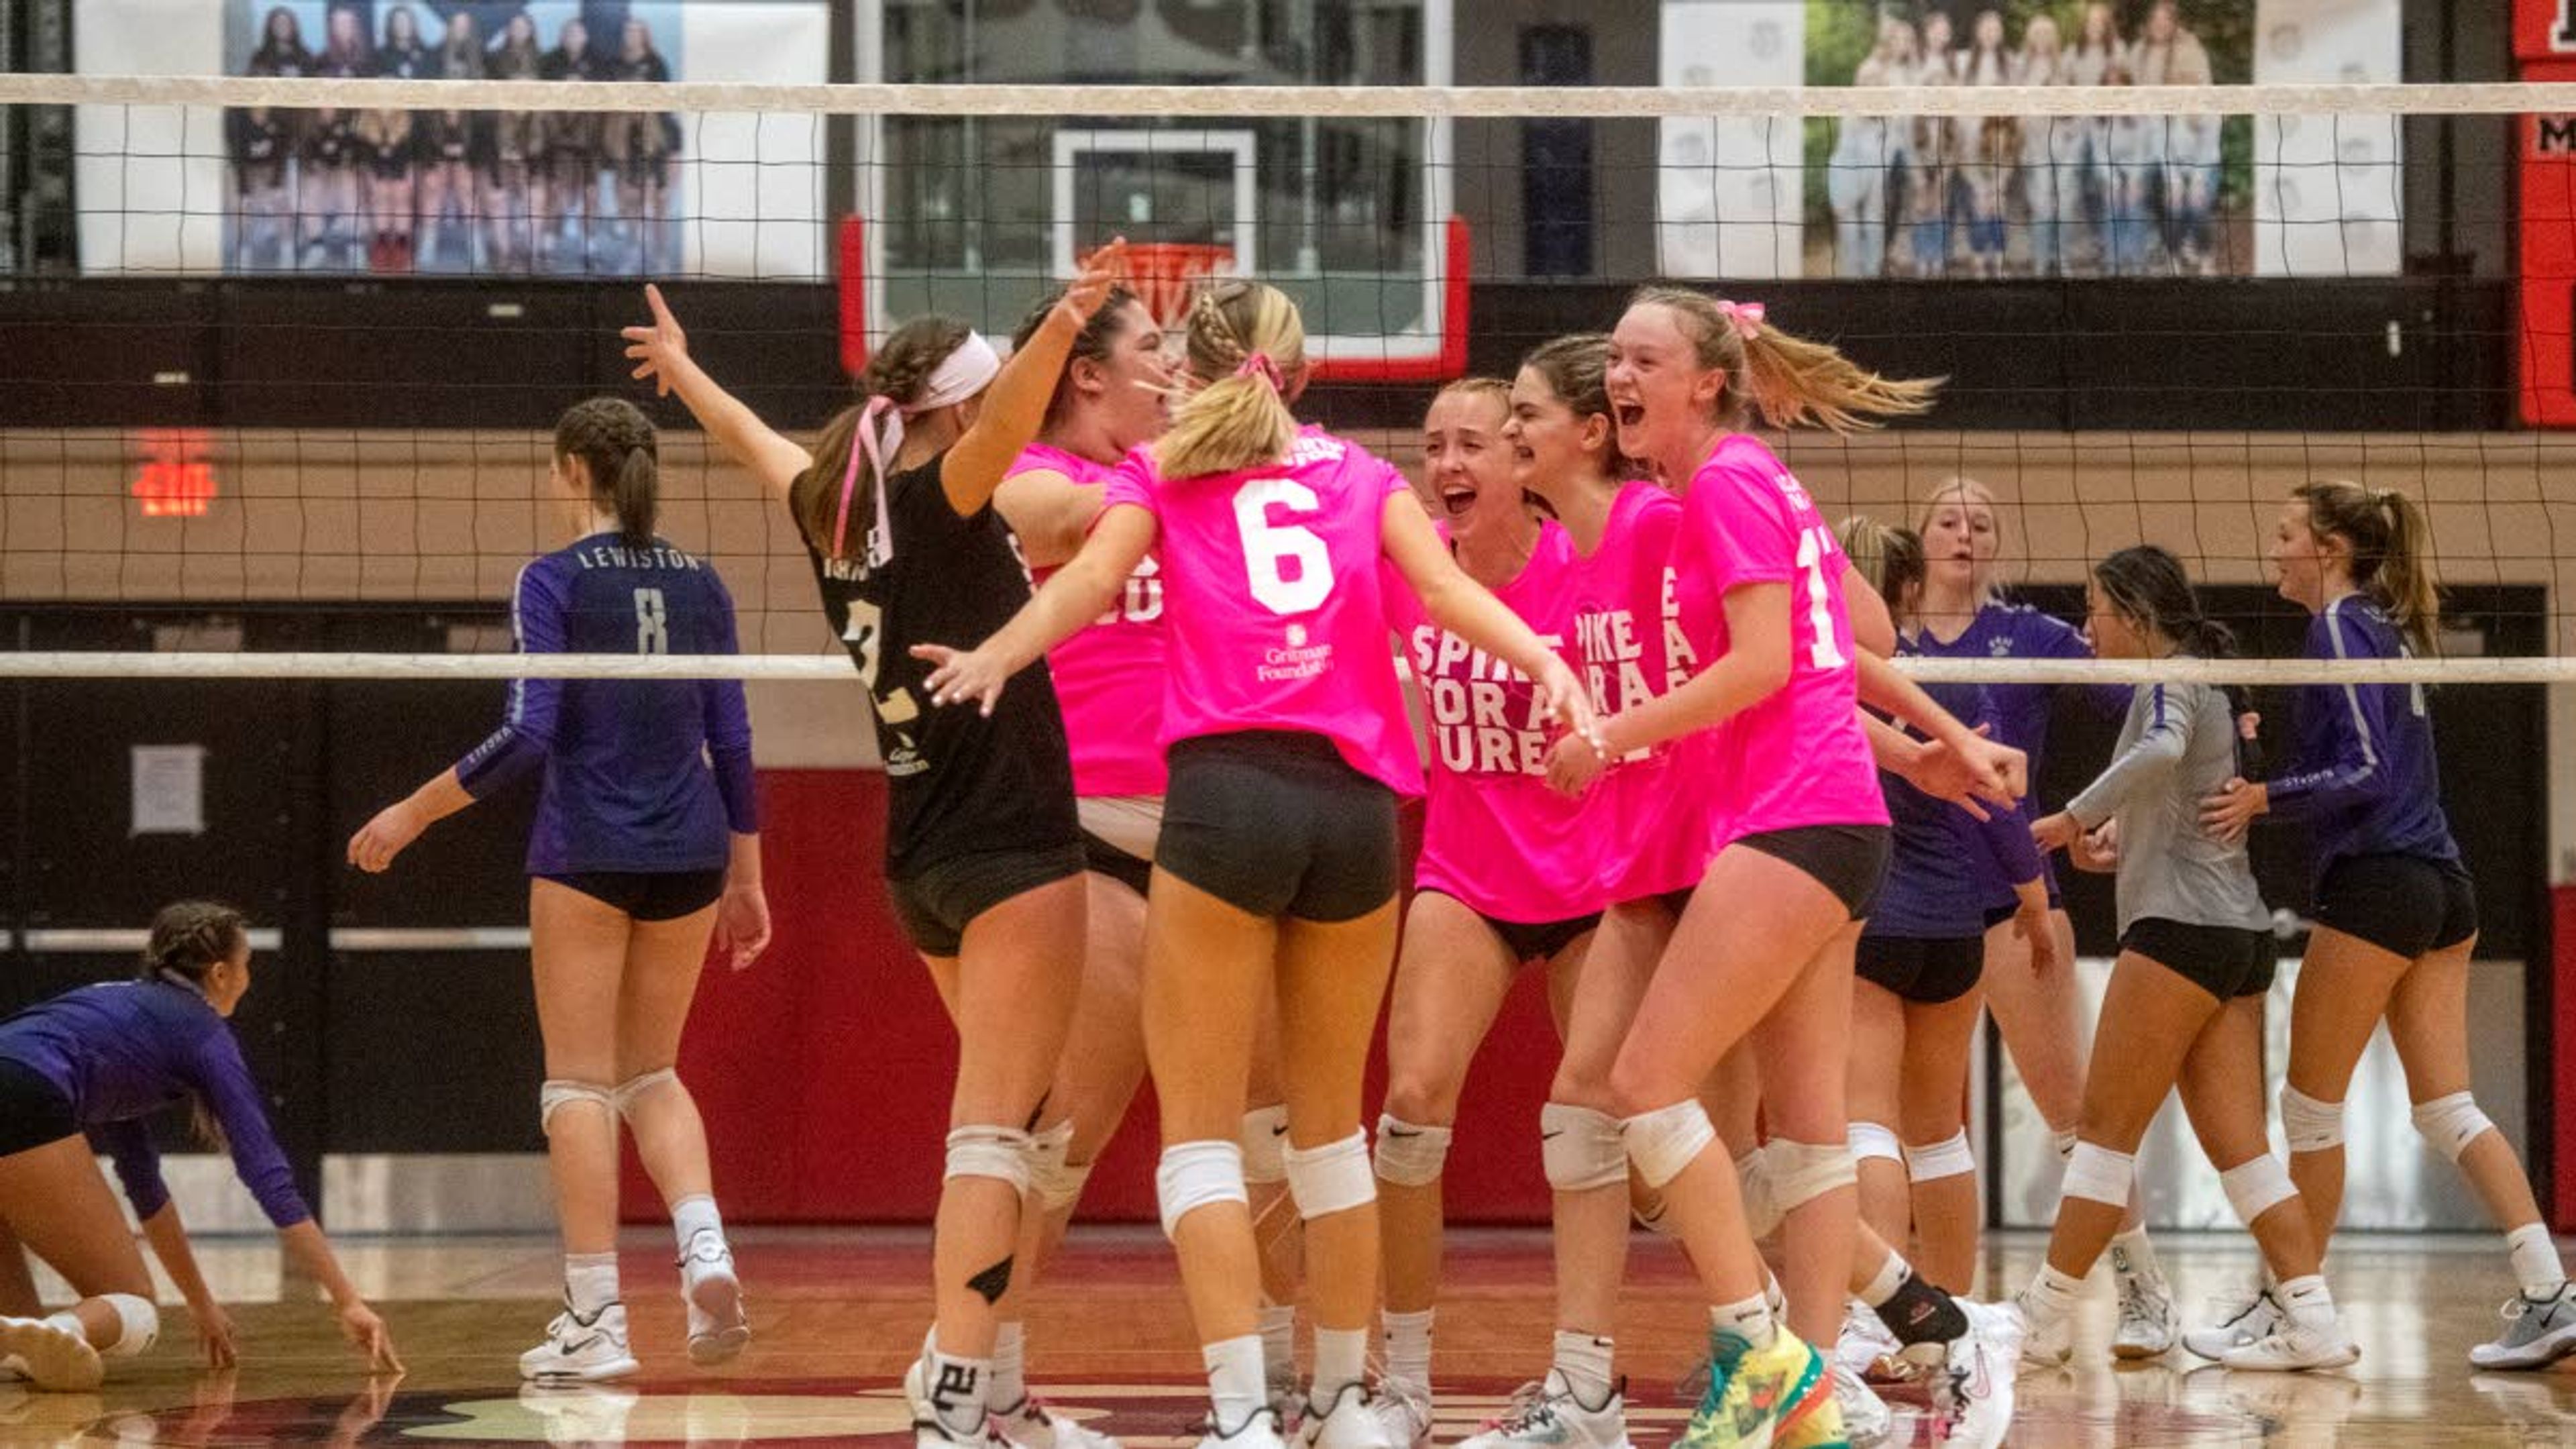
(1278, 620)
(1799, 757)
(1109, 677)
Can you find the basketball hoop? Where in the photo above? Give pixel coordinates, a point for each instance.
(1165, 276)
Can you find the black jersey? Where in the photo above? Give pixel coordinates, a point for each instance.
(958, 783)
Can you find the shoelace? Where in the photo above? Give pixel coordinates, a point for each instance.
(2133, 1299)
(1531, 1406)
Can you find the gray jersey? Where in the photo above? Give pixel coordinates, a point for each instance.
(2177, 746)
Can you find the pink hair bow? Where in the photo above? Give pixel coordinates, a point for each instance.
(1746, 317)
(1258, 364)
(864, 444)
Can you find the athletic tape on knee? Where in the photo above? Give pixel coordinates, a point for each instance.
(2451, 1123)
(1332, 1178)
(1265, 1145)
(2256, 1186)
(1056, 1183)
(1802, 1172)
(1875, 1139)
(2308, 1124)
(983, 1150)
(1761, 1203)
(1949, 1157)
(1193, 1175)
(1664, 1141)
(559, 1093)
(1580, 1148)
(1410, 1154)
(138, 1324)
(2098, 1174)
(623, 1096)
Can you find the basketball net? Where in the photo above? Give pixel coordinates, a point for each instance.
(1165, 276)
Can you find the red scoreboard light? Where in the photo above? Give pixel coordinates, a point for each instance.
(175, 479)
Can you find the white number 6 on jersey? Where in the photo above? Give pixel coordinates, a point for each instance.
(1268, 548)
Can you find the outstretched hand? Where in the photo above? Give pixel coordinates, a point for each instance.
(653, 349)
(1093, 278)
(963, 676)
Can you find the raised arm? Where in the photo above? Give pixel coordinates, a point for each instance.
(1015, 406)
(1075, 596)
(661, 354)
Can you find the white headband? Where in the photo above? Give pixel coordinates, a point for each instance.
(965, 372)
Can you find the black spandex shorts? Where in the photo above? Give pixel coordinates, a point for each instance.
(935, 904)
(1532, 940)
(1277, 823)
(1849, 860)
(33, 1111)
(1924, 970)
(2403, 904)
(2225, 961)
(648, 895)
(1102, 858)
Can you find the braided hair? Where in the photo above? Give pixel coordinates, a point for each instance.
(614, 437)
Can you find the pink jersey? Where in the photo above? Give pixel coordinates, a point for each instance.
(1109, 677)
(1654, 813)
(1799, 757)
(1493, 834)
(1278, 620)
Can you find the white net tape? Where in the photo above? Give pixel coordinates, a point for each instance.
(1355, 102)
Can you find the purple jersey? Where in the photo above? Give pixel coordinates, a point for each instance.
(124, 1050)
(1946, 869)
(2017, 631)
(640, 774)
(2365, 779)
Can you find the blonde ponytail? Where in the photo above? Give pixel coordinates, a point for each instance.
(1784, 380)
(2390, 540)
(1247, 350)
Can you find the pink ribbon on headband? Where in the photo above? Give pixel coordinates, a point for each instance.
(864, 443)
(1746, 317)
(1258, 364)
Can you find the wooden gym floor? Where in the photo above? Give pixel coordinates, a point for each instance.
(837, 1314)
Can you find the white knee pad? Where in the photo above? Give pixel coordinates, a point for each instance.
(1193, 1175)
(2451, 1123)
(2098, 1174)
(983, 1150)
(1410, 1154)
(1664, 1141)
(139, 1324)
(1332, 1178)
(1875, 1139)
(2256, 1186)
(2308, 1124)
(1056, 1183)
(559, 1093)
(1802, 1172)
(1949, 1157)
(624, 1095)
(1265, 1145)
(1761, 1203)
(1580, 1148)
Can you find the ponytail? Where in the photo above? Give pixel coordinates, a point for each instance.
(1783, 380)
(834, 501)
(1247, 350)
(615, 439)
(2390, 540)
(188, 939)
(1890, 557)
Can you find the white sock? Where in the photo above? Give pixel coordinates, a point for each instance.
(2306, 1301)
(960, 1390)
(1237, 1388)
(1341, 1359)
(1408, 1346)
(1583, 1361)
(2535, 1261)
(1010, 1383)
(1279, 1341)
(2052, 1293)
(2132, 1255)
(590, 1281)
(1891, 1275)
(1749, 1320)
(693, 1215)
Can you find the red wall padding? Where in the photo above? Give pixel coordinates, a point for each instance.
(823, 1071)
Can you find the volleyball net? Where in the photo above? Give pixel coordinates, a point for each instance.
(279, 343)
